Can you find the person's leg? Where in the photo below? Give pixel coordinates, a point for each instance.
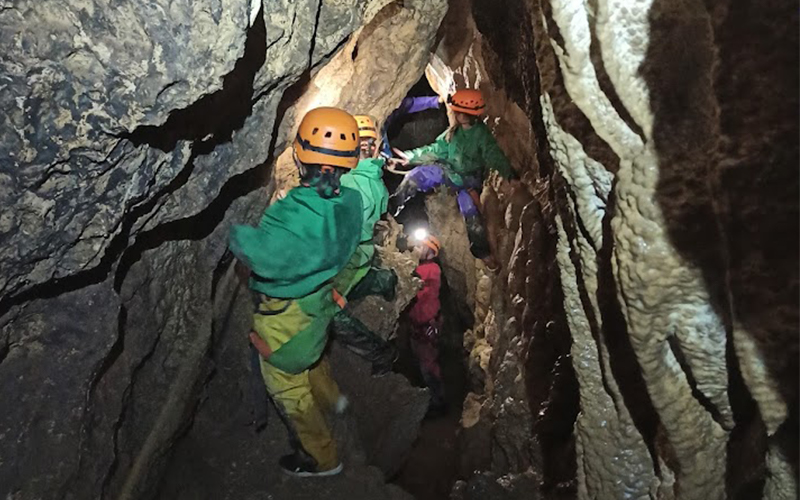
(376, 282)
(425, 348)
(356, 337)
(421, 179)
(257, 391)
(325, 389)
(293, 393)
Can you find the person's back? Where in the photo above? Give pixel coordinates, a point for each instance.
(302, 242)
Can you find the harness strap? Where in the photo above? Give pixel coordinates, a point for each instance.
(337, 297)
(261, 346)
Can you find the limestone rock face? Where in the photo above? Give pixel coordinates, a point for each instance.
(77, 329)
(394, 44)
(635, 265)
(133, 136)
(379, 315)
(460, 268)
(79, 79)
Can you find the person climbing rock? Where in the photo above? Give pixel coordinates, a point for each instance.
(359, 278)
(302, 242)
(458, 158)
(425, 320)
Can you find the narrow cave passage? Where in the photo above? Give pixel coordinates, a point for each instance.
(636, 339)
(432, 466)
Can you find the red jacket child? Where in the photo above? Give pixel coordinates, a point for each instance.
(426, 308)
(424, 315)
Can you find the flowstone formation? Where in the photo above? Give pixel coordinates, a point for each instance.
(647, 281)
(640, 340)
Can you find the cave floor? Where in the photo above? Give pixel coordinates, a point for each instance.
(221, 457)
(432, 467)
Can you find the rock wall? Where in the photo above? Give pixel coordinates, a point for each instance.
(134, 136)
(641, 341)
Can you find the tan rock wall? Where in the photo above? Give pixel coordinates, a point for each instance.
(664, 187)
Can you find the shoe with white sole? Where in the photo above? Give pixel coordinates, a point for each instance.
(295, 465)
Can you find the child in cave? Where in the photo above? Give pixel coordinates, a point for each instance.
(426, 321)
(458, 158)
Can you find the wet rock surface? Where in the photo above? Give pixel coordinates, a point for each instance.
(641, 374)
(640, 340)
(135, 136)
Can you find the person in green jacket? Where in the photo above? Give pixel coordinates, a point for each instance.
(458, 158)
(359, 277)
(301, 244)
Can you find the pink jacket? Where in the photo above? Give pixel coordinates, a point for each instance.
(426, 306)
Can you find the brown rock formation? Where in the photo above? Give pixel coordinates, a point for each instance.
(657, 207)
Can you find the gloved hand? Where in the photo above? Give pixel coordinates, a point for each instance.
(401, 160)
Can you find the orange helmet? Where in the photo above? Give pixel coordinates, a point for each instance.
(366, 127)
(423, 236)
(327, 136)
(467, 101)
(433, 243)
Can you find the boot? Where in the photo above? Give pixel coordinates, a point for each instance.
(357, 338)
(377, 281)
(299, 466)
(389, 291)
(478, 241)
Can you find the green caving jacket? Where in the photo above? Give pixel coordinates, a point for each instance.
(367, 180)
(301, 243)
(467, 154)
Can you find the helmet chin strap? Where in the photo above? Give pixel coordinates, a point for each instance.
(300, 167)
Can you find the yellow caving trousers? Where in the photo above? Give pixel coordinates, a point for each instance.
(304, 398)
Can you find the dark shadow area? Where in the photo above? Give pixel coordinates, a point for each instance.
(506, 25)
(550, 380)
(431, 469)
(409, 132)
(724, 96)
